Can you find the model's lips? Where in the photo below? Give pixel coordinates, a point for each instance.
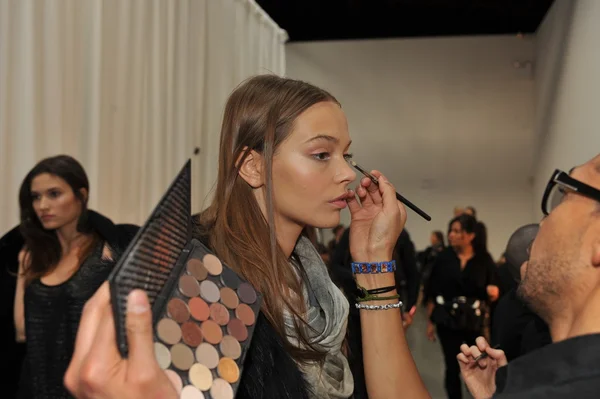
(47, 217)
(342, 197)
(340, 202)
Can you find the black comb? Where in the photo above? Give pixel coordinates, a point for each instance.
(152, 257)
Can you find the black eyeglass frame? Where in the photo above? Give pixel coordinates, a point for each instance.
(569, 183)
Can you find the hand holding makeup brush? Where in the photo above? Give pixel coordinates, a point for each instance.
(480, 375)
(377, 220)
(97, 369)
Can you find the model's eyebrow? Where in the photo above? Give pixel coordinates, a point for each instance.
(323, 137)
(326, 137)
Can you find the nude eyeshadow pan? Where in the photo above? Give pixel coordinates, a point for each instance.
(204, 327)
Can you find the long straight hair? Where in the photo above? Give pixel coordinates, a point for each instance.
(259, 116)
(42, 246)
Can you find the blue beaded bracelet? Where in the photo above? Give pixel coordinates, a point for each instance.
(373, 267)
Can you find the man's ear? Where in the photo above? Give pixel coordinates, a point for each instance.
(251, 168)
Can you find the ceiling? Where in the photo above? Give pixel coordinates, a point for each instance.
(310, 20)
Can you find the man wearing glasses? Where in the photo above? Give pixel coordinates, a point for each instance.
(561, 283)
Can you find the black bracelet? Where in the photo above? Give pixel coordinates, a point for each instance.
(362, 293)
(382, 290)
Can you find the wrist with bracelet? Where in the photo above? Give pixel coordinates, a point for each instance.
(367, 295)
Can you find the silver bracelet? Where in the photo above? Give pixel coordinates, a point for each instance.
(379, 307)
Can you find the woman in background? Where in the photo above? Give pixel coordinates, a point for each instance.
(67, 252)
(461, 287)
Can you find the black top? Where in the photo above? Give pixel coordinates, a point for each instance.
(567, 369)
(52, 316)
(516, 328)
(449, 281)
(45, 330)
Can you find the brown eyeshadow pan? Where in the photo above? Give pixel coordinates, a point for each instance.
(229, 298)
(219, 314)
(209, 291)
(230, 347)
(182, 356)
(245, 314)
(207, 355)
(212, 264)
(246, 293)
(228, 370)
(191, 334)
(196, 268)
(168, 331)
(212, 332)
(221, 389)
(237, 329)
(189, 286)
(178, 310)
(199, 309)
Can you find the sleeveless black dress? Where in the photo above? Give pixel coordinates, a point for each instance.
(52, 315)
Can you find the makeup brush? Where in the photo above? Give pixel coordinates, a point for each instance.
(398, 196)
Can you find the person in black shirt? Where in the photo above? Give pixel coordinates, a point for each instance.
(427, 259)
(561, 284)
(462, 283)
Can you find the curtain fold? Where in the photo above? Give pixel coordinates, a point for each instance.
(129, 88)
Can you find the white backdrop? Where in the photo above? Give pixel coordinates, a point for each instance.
(129, 88)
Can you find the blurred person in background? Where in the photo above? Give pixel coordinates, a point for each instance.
(427, 258)
(66, 253)
(461, 287)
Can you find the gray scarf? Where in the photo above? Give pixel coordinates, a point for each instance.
(327, 314)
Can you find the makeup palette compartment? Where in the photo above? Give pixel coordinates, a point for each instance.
(204, 314)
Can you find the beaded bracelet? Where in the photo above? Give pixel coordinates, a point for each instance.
(379, 307)
(373, 267)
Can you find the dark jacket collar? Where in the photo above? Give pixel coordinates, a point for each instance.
(572, 359)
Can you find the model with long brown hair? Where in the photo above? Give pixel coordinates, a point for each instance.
(67, 251)
(282, 166)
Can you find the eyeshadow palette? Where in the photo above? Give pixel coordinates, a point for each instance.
(203, 312)
(204, 327)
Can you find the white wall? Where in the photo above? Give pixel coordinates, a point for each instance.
(449, 120)
(570, 126)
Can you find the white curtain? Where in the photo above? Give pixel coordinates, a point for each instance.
(128, 87)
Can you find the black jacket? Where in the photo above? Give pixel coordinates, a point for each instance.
(117, 236)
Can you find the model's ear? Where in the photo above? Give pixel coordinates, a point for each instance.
(251, 168)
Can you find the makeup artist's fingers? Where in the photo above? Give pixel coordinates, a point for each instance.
(465, 350)
(88, 326)
(463, 359)
(481, 343)
(475, 352)
(352, 201)
(139, 331)
(498, 355)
